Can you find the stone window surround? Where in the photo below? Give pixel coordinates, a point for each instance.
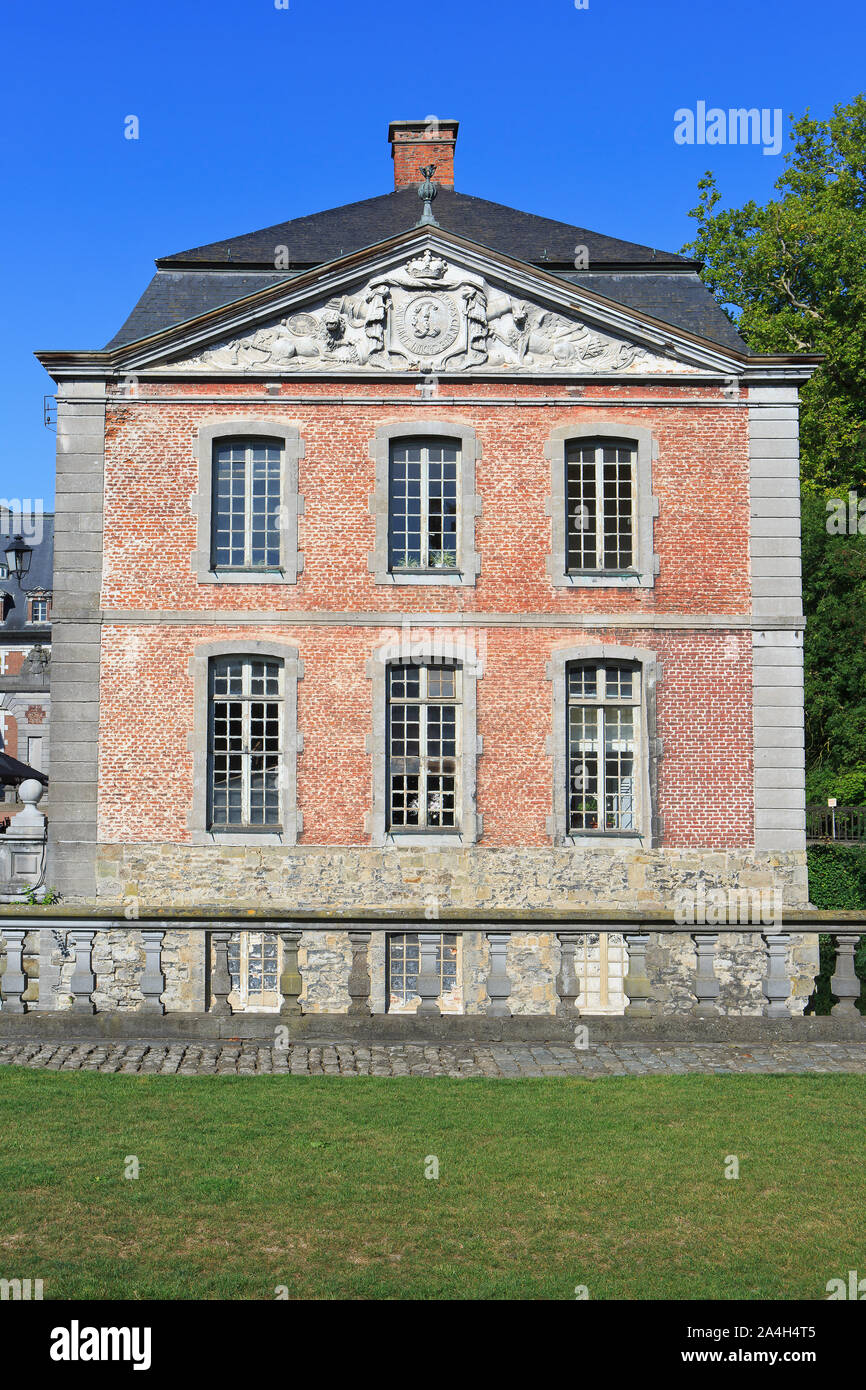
(293, 449)
(651, 828)
(647, 506)
(471, 824)
(468, 559)
(197, 741)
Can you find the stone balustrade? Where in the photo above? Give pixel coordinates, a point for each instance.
(661, 972)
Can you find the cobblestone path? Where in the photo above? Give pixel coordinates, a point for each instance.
(458, 1060)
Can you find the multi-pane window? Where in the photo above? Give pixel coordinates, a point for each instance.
(603, 712)
(39, 609)
(403, 967)
(246, 504)
(246, 743)
(422, 505)
(254, 968)
(599, 501)
(424, 736)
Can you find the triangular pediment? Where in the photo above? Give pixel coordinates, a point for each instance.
(428, 303)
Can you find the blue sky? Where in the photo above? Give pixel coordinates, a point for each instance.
(251, 114)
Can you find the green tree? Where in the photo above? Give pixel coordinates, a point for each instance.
(834, 599)
(792, 274)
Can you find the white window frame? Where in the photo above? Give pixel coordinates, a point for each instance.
(198, 743)
(426, 649)
(455, 1004)
(645, 506)
(249, 566)
(241, 429)
(246, 699)
(600, 703)
(240, 999)
(424, 567)
(424, 701)
(599, 465)
(468, 564)
(649, 828)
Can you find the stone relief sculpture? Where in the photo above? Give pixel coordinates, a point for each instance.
(430, 315)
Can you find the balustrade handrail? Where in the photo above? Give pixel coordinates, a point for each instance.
(502, 920)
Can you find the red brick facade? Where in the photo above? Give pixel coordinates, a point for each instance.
(701, 478)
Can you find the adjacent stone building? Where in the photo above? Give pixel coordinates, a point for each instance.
(25, 644)
(423, 551)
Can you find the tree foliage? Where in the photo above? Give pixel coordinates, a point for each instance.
(834, 599)
(791, 274)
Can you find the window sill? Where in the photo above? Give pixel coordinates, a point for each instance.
(594, 839)
(426, 839)
(603, 579)
(246, 577)
(440, 577)
(241, 837)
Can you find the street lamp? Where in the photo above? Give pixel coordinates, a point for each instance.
(18, 557)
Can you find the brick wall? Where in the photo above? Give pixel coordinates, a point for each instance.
(701, 537)
(701, 479)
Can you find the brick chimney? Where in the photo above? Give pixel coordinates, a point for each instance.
(414, 143)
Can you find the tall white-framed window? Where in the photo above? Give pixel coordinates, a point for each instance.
(603, 747)
(423, 512)
(424, 742)
(247, 498)
(600, 506)
(245, 743)
(403, 964)
(247, 503)
(424, 503)
(254, 961)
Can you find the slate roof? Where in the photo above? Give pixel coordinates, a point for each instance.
(325, 236)
(40, 576)
(172, 297)
(660, 283)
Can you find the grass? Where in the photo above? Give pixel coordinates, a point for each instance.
(318, 1184)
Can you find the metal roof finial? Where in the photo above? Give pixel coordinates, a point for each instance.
(428, 190)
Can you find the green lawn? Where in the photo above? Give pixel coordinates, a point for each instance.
(318, 1184)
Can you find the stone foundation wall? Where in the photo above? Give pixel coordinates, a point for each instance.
(315, 878)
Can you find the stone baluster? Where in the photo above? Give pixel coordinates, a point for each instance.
(83, 981)
(637, 983)
(429, 981)
(567, 981)
(706, 983)
(777, 983)
(14, 980)
(845, 984)
(498, 983)
(152, 979)
(359, 975)
(221, 980)
(291, 983)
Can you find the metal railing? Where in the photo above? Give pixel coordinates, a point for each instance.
(844, 824)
